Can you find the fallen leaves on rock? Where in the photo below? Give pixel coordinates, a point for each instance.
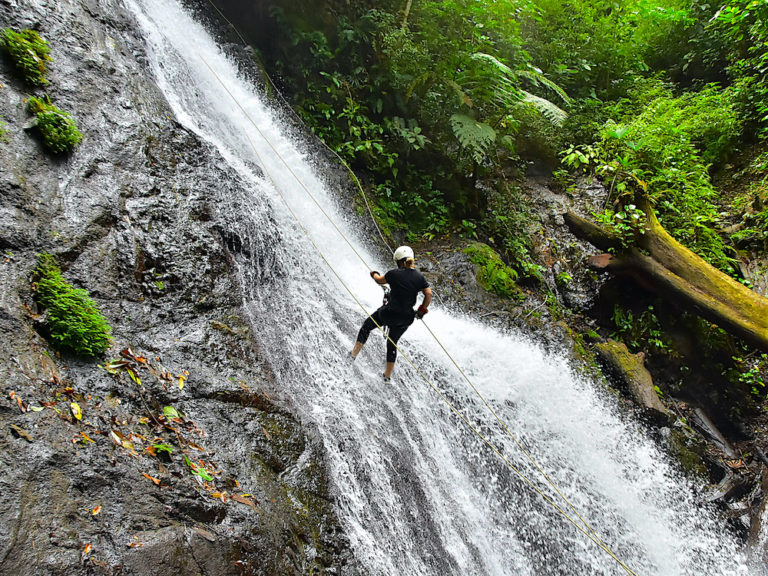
(16, 398)
(243, 500)
(21, 433)
(155, 480)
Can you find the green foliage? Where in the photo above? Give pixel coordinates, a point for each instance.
(661, 145)
(626, 224)
(57, 128)
(468, 229)
(753, 207)
(507, 221)
(563, 279)
(751, 372)
(475, 136)
(743, 25)
(73, 318)
(3, 132)
(170, 412)
(29, 53)
(198, 470)
(425, 106)
(641, 331)
(492, 273)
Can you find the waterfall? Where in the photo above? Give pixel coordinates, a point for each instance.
(417, 491)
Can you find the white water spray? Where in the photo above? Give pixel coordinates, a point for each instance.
(418, 493)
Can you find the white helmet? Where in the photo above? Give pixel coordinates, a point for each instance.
(402, 252)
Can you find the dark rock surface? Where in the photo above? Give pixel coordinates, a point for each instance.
(132, 217)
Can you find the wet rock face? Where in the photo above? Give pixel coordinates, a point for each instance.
(229, 483)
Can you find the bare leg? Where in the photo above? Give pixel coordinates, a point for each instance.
(388, 370)
(356, 349)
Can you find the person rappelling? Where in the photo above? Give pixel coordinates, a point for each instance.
(397, 313)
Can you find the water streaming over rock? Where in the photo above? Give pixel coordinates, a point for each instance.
(417, 491)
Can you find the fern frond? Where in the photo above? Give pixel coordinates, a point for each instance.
(539, 79)
(463, 96)
(475, 136)
(487, 80)
(495, 62)
(555, 114)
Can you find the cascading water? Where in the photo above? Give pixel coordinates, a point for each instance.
(417, 491)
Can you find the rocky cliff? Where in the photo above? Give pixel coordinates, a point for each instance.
(182, 461)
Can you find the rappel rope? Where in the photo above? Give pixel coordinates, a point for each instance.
(587, 530)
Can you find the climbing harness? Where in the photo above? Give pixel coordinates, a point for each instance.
(584, 527)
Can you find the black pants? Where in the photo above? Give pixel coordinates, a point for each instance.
(398, 324)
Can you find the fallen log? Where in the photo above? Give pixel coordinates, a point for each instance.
(630, 370)
(661, 264)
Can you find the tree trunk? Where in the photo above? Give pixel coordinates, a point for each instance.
(406, 12)
(660, 263)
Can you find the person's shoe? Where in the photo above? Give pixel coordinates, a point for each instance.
(386, 379)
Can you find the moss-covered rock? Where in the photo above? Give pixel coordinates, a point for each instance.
(492, 273)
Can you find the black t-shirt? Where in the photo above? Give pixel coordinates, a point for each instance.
(405, 284)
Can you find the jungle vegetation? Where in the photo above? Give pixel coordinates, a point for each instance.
(442, 105)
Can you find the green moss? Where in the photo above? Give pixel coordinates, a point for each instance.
(29, 53)
(72, 316)
(492, 273)
(58, 129)
(689, 451)
(581, 351)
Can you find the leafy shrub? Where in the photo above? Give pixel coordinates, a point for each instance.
(639, 331)
(743, 27)
(492, 273)
(29, 52)
(58, 129)
(626, 224)
(72, 316)
(507, 221)
(662, 145)
(751, 372)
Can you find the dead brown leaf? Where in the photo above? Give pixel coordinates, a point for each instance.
(17, 399)
(116, 436)
(205, 534)
(21, 433)
(155, 480)
(243, 500)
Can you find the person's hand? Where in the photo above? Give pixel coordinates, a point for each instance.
(420, 311)
(374, 273)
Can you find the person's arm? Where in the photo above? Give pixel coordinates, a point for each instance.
(427, 297)
(379, 278)
(422, 309)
